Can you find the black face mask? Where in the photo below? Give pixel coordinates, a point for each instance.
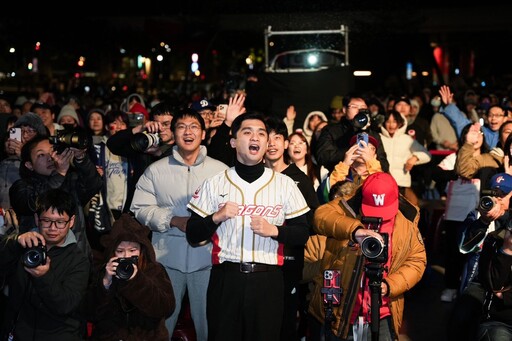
(361, 119)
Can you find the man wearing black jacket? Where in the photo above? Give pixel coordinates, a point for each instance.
(294, 293)
(334, 139)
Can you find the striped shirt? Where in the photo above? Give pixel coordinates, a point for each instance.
(274, 196)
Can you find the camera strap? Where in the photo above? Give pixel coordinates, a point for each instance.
(360, 329)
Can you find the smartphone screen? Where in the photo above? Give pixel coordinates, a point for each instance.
(15, 134)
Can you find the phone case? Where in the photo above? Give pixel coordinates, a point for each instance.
(15, 133)
(332, 287)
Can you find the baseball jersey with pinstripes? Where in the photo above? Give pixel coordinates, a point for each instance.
(273, 195)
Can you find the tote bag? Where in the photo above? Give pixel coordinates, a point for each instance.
(462, 197)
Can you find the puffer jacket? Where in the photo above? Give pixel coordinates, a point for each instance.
(332, 248)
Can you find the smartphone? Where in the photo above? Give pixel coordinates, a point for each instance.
(481, 121)
(332, 287)
(362, 137)
(222, 111)
(15, 134)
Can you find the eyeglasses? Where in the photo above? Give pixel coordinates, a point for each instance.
(495, 115)
(193, 127)
(28, 131)
(47, 223)
(297, 143)
(353, 106)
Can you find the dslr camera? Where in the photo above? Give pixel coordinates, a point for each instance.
(487, 200)
(373, 248)
(69, 137)
(125, 268)
(141, 142)
(34, 256)
(361, 119)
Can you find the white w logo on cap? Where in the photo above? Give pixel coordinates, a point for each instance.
(378, 199)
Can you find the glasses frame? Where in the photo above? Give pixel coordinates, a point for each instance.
(44, 221)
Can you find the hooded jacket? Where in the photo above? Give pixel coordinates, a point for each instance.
(133, 309)
(332, 248)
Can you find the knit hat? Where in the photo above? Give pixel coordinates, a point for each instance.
(68, 110)
(380, 196)
(337, 103)
(32, 120)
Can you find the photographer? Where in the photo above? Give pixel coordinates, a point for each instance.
(143, 144)
(43, 168)
(494, 216)
(337, 247)
(131, 295)
(46, 274)
(334, 140)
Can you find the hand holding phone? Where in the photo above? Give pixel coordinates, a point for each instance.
(15, 134)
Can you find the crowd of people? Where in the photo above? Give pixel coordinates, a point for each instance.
(120, 216)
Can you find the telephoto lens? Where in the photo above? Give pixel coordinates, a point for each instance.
(361, 119)
(34, 256)
(141, 142)
(374, 249)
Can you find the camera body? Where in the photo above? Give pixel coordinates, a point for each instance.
(125, 268)
(69, 138)
(487, 200)
(34, 256)
(374, 249)
(141, 142)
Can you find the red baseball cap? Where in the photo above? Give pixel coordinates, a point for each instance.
(380, 196)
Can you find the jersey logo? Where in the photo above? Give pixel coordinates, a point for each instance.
(223, 195)
(378, 199)
(261, 210)
(196, 194)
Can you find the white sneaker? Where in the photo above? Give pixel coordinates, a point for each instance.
(448, 295)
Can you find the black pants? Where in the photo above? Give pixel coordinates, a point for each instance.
(244, 306)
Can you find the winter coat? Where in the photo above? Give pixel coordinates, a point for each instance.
(135, 309)
(399, 148)
(82, 181)
(47, 307)
(334, 141)
(163, 191)
(332, 248)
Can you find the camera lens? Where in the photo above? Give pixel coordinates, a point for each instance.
(361, 119)
(125, 267)
(34, 257)
(372, 247)
(140, 142)
(486, 203)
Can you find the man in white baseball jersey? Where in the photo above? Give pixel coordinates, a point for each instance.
(249, 213)
(160, 202)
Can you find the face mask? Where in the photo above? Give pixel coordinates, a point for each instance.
(435, 102)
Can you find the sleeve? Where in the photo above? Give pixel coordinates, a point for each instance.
(145, 204)
(219, 147)
(418, 150)
(494, 267)
(64, 297)
(468, 165)
(151, 292)
(339, 173)
(200, 229)
(456, 117)
(331, 221)
(89, 182)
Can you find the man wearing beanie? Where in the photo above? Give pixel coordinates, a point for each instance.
(377, 211)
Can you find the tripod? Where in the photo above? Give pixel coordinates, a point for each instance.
(374, 273)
